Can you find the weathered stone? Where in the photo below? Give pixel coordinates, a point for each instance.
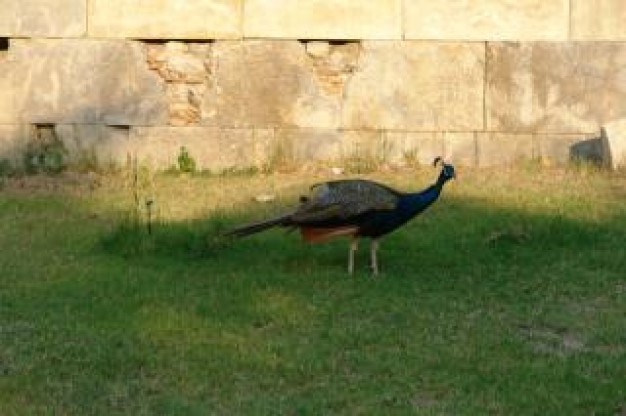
(13, 141)
(145, 102)
(598, 20)
(487, 20)
(323, 19)
(176, 62)
(165, 19)
(43, 18)
(614, 144)
(461, 148)
(333, 69)
(416, 86)
(267, 84)
(555, 87)
(57, 81)
(411, 148)
(318, 49)
(184, 68)
(500, 149)
(86, 82)
(183, 114)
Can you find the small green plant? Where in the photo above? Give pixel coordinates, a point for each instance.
(49, 158)
(186, 163)
(281, 157)
(368, 157)
(45, 153)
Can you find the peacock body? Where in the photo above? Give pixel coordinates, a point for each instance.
(356, 208)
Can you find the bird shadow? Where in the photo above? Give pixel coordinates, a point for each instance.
(454, 234)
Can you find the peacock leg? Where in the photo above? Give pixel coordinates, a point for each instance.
(374, 256)
(354, 246)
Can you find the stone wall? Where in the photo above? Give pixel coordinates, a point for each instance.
(257, 82)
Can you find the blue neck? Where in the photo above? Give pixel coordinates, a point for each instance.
(413, 203)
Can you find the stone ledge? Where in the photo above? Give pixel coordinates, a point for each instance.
(487, 20)
(599, 20)
(43, 18)
(323, 19)
(165, 19)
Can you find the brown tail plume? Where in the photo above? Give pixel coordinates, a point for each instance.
(256, 227)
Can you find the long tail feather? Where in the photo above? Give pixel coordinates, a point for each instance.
(256, 227)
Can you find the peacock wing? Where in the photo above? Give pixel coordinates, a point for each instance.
(340, 200)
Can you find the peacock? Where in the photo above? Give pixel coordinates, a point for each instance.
(354, 208)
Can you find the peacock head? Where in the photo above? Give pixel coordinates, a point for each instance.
(447, 170)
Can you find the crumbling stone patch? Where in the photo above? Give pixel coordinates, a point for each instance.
(186, 70)
(333, 63)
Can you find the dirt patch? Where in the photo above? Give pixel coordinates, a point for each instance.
(67, 182)
(557, 341)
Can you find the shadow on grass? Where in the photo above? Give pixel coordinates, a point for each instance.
(478, 306)
(454, 232)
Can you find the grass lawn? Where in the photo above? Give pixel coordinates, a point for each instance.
(507, 297)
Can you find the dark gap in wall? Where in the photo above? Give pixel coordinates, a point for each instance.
(164, 41)
(4, 44)
(120, 126)
(44, 132)
(342, 42)
(332, 42)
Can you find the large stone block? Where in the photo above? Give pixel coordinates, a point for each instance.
(555, 87)
(86, 82)
(302, 146)
(416, 86)
(487, 20)
(165, 19)
(410, 148)
(323, 19)
(461, 148)
(43, 18)
(145, 100)
(95, 144)
(272, 84)
(598, 20)
(501, 149)
(212, 148)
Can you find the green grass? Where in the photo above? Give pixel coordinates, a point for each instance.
(507, 297)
